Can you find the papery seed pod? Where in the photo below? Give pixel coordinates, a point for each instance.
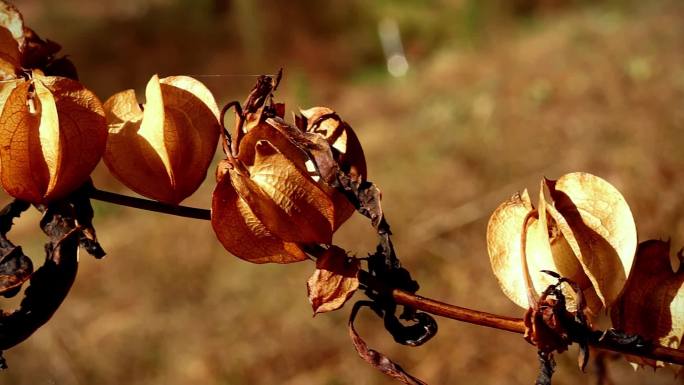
(275, 190)
(307, 151)
(585, 233)
(164, 150)
(52, 135)
(265, 206)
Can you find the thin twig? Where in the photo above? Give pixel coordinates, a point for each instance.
(417, 302)
(150, 205)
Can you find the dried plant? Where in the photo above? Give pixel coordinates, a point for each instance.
(282, 191)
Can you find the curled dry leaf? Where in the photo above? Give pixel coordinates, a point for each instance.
(341, 137)
(63, 222)
(52, 135)
(163, 151)
(376, 359)
(334, 281)
(584, 234)
(652, 303)
(15, 269)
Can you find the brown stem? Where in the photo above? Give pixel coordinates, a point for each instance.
(516, 325)
(230, 147)
(458, 313)
(150, 205)
(417, 302)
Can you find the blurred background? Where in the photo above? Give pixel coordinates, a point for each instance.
(458, 103)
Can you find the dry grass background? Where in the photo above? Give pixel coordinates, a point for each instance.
(597, 89)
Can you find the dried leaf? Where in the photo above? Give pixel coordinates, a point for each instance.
(52, 135)
(15, 269)
(652, 304)
(164, 151)
(242, 233)
(340, 136)
(11, 19)
(49, 284)
(602, 224)
(329, 172)
(9, 55)
(334, 281)
(37, 53)
(378, 360)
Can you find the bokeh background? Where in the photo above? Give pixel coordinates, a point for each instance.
(458, 103)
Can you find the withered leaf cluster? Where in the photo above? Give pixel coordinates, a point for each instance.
(582, 230)
(277, 192)
(282, 192)
(67, 223)
(278, 196)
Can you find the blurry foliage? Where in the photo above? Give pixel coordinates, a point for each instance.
(332, 42)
